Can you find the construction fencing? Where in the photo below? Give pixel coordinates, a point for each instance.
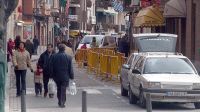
(104, 62)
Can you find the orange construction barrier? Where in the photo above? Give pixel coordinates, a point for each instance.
(114, 65)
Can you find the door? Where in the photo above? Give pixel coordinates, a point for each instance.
(135, 79)
(124, 72)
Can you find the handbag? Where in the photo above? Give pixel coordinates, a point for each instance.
(51, 87)
(72, 87)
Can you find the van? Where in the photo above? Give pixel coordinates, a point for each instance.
(102, 40)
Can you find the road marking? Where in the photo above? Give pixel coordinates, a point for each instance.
(92, 91)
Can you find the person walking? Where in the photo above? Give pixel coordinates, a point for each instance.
(43, 62)
(94, 43)
(62, 70)
(68, 50)
(29, 47)
(38, 76)
(124, 46)
(17, 42)
(21, 61)
(36, 43)
(10, 47)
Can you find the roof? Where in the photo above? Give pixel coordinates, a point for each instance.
(148, 17)
(154, 34)
(161, 54)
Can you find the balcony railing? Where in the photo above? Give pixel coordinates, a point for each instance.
(103, 4)
(74, 1)
(38, 12)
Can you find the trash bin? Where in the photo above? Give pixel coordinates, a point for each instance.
(2, 79)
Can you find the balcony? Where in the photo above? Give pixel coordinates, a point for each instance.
(103, 4)
(75, 3)
(92, 20)
(55, 8)
(38, 12)
(74, 25)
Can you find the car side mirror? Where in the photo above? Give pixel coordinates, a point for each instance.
(136, 71)
(126, 66)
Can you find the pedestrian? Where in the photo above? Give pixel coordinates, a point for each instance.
(68, 50)
(10, 47)
(17, 42)
(21, 61)
(61, 70)
(94, 43)
(38, 76)
(84, 46)
(29, 47)
(43, 62)
(36, 43)
(124, 46)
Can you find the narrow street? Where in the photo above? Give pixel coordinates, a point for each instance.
(102, 96)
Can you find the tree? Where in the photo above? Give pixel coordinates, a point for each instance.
(6, 9)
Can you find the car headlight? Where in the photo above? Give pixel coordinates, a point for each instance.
(196, 86)
(154, 85)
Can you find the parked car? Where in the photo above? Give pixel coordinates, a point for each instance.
(102, 41)
(168, 76)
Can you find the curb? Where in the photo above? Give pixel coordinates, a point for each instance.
(7, 87)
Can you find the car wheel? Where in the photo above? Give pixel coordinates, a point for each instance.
(197, 105)
(132, 97)
(142, 100)
(124, 92)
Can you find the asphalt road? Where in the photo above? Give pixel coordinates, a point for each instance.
(103, 96)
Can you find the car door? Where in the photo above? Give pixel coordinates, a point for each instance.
(135, 78)
(124, 72)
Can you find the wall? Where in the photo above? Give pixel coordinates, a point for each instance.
(27, 7)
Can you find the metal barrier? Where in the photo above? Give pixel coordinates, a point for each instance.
(102, 61)
(23, 101)
(148, 102)
(113, 64)
(84, 101)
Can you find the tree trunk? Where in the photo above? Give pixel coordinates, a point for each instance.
(6, 9)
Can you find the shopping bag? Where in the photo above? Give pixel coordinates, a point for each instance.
(51, 86)
(72, 87)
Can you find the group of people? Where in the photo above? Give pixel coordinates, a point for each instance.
(31, 47)
(51, 66)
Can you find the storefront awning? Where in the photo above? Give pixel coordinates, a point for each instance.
(149, 17)
(73, 33)
(175, 8)
(107, 11)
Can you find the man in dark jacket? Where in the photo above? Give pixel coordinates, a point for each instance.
(62, 70)
(36, 43)
(124, 45)
(29, 47)
(44, 63)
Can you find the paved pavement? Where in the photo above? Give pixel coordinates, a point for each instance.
(103, 96)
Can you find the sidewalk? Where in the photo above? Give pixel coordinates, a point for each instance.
(41, 104)
(10, 79)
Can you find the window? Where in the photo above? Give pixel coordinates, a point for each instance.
(168, 65)
(139, 64)
(130, 60)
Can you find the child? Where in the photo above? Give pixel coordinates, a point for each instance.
(38, 80)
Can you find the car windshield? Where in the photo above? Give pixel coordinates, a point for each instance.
(168, 65)
(88, 39)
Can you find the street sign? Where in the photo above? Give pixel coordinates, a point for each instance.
(73, 17)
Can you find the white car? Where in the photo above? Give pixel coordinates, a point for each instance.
(102, 41)
(158, 70)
